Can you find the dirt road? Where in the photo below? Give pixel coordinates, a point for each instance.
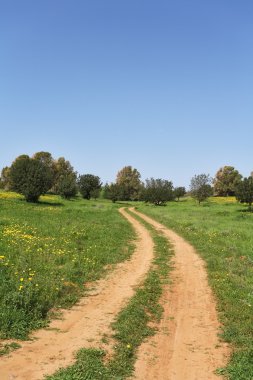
(186, 346)
(85, 324)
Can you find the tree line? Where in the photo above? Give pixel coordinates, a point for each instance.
(41, 173)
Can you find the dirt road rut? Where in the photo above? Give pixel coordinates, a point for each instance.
(187, 346)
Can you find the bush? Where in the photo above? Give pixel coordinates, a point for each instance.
(129, 184)
(30, 178)
(200, 187)
(112, 192)
(158, 191)
(226, 180)
(67, 186)
(179, 192)
(89, 185)
(244, 191)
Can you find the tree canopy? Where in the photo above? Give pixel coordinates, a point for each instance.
(158, 191)
(89, 185)
(63, 173)
(226, 180)
(30, 178)
(129, 183)
(200, 187)
(244, 191)
(179, 192)
(5, 178)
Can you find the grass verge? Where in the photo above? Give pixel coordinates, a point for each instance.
(48, 251)
(131, 326)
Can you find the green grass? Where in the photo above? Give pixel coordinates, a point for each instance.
(48, 251)
(222, 232)
(7, 348)
(131, 327)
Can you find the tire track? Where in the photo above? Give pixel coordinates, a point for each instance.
(186, 346)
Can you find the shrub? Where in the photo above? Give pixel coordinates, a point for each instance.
(226, 180)
(200, 187)
(67, 186)
(158, 191)
(129, 183)
(244, 191)
(88, 185)
(179, 192)
(30, 178)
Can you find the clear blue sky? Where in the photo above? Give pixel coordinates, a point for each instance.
(164, 86)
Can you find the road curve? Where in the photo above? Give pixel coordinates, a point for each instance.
(187, 345)
(84, 324)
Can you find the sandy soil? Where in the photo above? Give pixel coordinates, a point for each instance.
(186, 346)
(85, 323)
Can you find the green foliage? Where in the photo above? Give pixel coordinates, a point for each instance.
(5, 178)
(7, 348)
(105, 191)
(64, 174)
(89, 185)
(158, 191)
(48, 251)
(226, 181)
(244, 191)
(129, 184)
(179, 192)
(30, 178)
(200, 187)
(112, 192)
(45, 158)
(67, 186)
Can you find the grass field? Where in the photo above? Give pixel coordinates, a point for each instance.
(221, 230)
(48, 251)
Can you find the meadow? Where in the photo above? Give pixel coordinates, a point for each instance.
(49, 251)
(221, 231)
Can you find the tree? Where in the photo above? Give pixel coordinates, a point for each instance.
(45, 158)
(5, 178)
(158, 191)
(67, 186)
(200, 187)
(128, 180)
(244, 191)
(112, 192)
(226, 180)
(88, 183)
(179, 192)
(95, 194)
(105, 191)
(30, 177)
(63, 173)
